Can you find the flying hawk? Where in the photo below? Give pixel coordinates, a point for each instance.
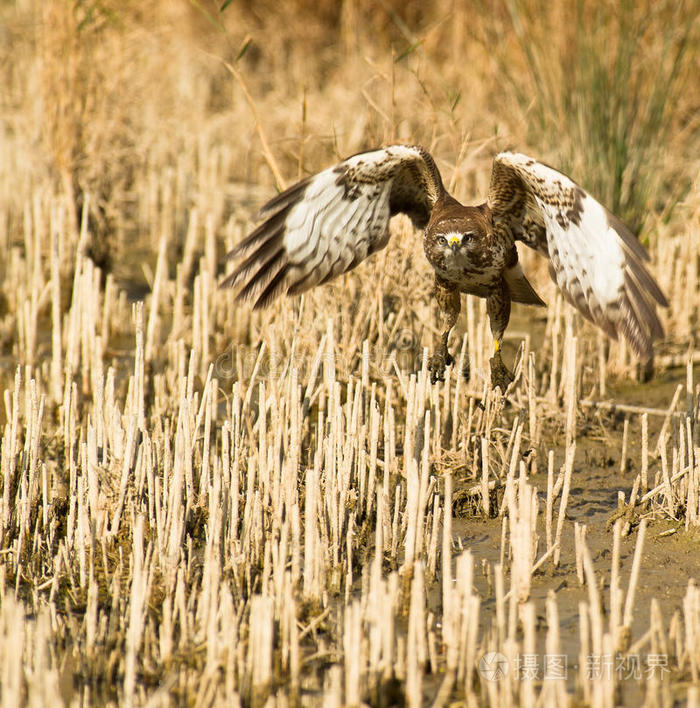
(330, 222)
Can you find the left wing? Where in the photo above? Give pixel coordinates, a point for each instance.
(327, 224)
(596, 261)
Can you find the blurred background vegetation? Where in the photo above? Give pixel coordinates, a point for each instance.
(97, 93)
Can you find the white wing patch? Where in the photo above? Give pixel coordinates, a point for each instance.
(326, 232)
(588, 260)
(327, 224)
(594, 259)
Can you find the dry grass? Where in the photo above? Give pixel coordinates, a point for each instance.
(205, 505)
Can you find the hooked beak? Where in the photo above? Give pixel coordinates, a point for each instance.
(455, 242)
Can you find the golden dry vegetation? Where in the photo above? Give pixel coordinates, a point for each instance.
(206, 505)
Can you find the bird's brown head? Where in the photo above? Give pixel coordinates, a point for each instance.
(457, 236)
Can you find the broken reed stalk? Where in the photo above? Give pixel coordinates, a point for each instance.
(634, 575)
(549, 504)
(623, 454)
(616, 618)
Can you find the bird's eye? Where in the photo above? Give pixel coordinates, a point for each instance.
(469, 236)
(442, 240)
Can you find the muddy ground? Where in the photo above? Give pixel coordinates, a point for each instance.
(670, 557)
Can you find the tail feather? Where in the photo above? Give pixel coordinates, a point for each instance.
(520, 288)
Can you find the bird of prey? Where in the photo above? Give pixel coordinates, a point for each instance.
(330, 222)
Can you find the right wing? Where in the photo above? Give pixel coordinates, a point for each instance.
(327, 224)
(596, 261)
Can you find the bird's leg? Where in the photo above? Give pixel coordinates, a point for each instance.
(498, 308)
(448, 300)
(501, 376)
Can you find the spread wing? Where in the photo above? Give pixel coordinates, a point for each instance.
(327, 224)
(596, 261)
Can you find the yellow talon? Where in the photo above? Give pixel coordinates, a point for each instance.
(496, 347)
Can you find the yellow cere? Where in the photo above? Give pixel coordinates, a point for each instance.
(454, 238)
